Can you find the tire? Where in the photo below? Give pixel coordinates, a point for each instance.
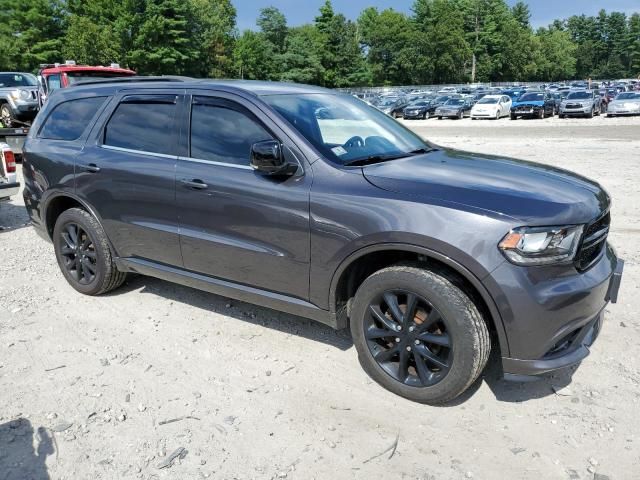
(106, 276)
(497, 115)
(439, 118)
(541, 114)
(609, 115)
(425, 116)
(6, 116)
(590, 114)
(462, 328)
(562, 116)
(513, 117)
(460, 115)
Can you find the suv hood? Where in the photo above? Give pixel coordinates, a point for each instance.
(528, 192)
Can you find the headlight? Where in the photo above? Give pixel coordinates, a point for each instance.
(541, 245)
(20, 94)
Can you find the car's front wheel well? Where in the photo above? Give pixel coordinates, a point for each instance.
(56, 207)
(364, 266)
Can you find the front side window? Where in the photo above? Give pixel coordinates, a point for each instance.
(224, 132)
(354, 133)
(144, 123)
(68, 120)
(54, 82)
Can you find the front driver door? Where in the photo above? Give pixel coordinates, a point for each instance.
(237, 224)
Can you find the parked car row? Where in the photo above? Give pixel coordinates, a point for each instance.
(578, 99)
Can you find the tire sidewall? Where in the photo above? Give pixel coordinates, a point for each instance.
(444, 297)
(82, 219)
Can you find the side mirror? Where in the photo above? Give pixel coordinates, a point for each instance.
(268, 157)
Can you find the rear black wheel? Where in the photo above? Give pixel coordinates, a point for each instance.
(83, 253)
(418, 335)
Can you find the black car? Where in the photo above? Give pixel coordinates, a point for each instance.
(417, 110)
(431, 256)
(455, 108)
(533, 105)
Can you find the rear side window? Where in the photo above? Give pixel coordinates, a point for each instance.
(223, 134)
(144, 123)
(68, 120)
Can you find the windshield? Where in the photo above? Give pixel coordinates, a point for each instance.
(531, 97)
(387, 102)
(419, 104)
(486, 100)
(455, 101)
(628, 96)
(355, 132)
(17, 80)
(578, 95)
(75, 77)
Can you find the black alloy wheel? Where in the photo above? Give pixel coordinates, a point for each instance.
(408, 338)
(78, 253)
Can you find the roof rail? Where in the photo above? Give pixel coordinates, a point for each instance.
(133, 79)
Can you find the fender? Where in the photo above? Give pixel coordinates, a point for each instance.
(65, 193)
(458, 267)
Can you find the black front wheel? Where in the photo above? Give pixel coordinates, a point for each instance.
(83, 253)
(419, 335)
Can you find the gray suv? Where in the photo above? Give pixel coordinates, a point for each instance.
(18, 98)
(432, 257)
(581, 103)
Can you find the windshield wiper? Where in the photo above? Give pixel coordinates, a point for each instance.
(373, 159)
(385, 158)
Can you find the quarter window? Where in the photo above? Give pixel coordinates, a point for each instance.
(144, 124)
(221, 132)
(69, 119)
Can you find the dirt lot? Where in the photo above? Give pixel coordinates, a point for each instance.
(109, 387)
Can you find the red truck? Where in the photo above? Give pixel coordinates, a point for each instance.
(57, 75)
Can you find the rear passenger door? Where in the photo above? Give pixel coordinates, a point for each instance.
(235, 223)
(127, 174)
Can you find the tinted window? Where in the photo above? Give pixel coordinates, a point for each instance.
(17, 80)
(223, 134)
(144, 124)
(68, 120)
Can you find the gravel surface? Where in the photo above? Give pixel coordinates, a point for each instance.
(159, 381)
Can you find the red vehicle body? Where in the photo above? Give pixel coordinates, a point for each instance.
(64, 75)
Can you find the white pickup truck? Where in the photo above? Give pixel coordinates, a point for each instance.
(9, 185)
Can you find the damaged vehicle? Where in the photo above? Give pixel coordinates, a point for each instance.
(432, 257)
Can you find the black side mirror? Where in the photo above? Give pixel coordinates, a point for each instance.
(268, 157)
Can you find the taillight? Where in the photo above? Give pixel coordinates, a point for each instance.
(9, 161)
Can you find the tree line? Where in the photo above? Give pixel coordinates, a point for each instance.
(441, 41)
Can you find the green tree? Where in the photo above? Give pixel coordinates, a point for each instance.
(89, 43)
(273, 24)
(164, 44)
(30, 33)
(213, 33)
(522, 14)
(557, 59)
(301, 61)
(253, 56)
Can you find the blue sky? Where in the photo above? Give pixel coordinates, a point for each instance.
(302, 11)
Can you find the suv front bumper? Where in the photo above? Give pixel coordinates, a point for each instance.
(552, 317)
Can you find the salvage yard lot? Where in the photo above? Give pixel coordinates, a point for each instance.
(130, 377)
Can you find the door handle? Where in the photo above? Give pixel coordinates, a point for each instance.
(196, 184)
(92, 168)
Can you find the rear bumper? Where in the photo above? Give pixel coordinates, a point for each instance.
(9, 190)
(554, 319)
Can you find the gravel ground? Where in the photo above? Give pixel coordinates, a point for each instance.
(113, 387)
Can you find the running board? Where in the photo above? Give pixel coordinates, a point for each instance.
(225, 288)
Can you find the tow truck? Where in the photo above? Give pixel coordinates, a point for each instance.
(52, 77)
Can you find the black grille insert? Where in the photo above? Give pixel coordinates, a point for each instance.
(593, 242)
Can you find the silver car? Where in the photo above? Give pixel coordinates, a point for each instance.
(18, 98)
(581, 103)
(626, 103)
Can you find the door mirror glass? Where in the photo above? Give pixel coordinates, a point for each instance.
(267, 157)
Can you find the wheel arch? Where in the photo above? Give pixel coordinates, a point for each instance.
(360, 264)
(59, 202)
